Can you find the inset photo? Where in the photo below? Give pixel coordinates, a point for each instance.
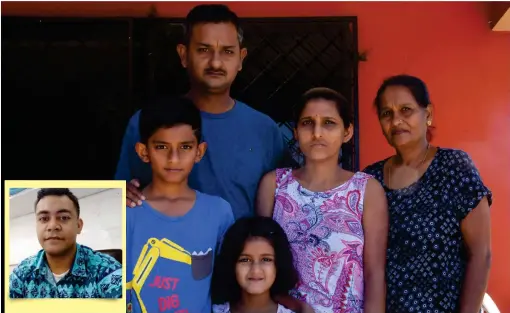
(65, 242)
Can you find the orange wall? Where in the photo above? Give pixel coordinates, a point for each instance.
(449, 45)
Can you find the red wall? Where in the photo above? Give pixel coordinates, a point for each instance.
(449, 45)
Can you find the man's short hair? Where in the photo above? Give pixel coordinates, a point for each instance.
(174, 112)
(211, 13)
(45, 192)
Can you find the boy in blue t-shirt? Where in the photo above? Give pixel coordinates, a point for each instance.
(173, 236)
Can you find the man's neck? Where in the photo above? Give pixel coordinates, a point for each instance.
(62, 263)
(211, 103)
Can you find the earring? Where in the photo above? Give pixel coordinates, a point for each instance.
(429, 123)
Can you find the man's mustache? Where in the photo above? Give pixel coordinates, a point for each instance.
(212, 71)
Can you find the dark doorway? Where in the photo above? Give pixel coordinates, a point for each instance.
(65, 96)
(70, 85)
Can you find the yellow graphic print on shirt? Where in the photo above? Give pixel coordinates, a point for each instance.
(167, 249)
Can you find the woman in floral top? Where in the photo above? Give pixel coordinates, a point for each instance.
(336, 220)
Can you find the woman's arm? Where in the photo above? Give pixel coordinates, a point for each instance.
(264, 205)
(477, 239)
(375, 227)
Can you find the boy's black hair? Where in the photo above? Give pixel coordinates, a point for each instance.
(45, 192)
(225, 287)
(170, 113)
(211, 13)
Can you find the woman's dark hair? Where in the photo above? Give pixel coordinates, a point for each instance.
(416, 86)
(225, 287)
(343, 106)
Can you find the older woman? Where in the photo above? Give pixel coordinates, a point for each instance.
(438, 254)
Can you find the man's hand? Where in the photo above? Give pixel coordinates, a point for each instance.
(134, 196)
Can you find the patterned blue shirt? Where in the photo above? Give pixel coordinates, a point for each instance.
(93, 275)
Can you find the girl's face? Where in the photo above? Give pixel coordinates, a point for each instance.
(255, 269)
(320, 130)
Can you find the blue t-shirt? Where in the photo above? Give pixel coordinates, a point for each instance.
(242, 145)
(170, 259)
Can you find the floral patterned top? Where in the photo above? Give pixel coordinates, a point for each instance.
(326, 235)
(425, 258)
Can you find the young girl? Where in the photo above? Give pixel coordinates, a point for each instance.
(336, 220)
(254, 266)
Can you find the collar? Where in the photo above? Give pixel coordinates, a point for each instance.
(78, 269)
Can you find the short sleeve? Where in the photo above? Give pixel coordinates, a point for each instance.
(15, 285)
(110, 287)
(110, 280)
(466, 184)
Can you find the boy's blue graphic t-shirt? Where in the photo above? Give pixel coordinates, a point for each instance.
(242, 145)
(170, 259)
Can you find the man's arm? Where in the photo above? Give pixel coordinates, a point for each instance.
(476, 230)
(110, 286)
(127, 150)
(16, 285)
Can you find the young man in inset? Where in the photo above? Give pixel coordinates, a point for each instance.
(64, 268)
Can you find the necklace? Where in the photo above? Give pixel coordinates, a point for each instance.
(421, 163)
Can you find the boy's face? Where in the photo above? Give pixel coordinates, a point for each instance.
(172, 152)
(58, 224)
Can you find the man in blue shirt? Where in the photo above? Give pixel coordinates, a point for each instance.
(243, 144)
(64, 269)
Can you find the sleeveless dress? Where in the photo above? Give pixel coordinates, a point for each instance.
(326, 235)
(426, 258)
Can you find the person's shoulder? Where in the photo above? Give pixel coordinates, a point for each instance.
(375, 168)
(132, 212)
(362, 175)
(101, 261)
(282, 309)
(455, 155)
(219, 205)
(255, 115)
(26, 266)
(212, 200)
(455, 160)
